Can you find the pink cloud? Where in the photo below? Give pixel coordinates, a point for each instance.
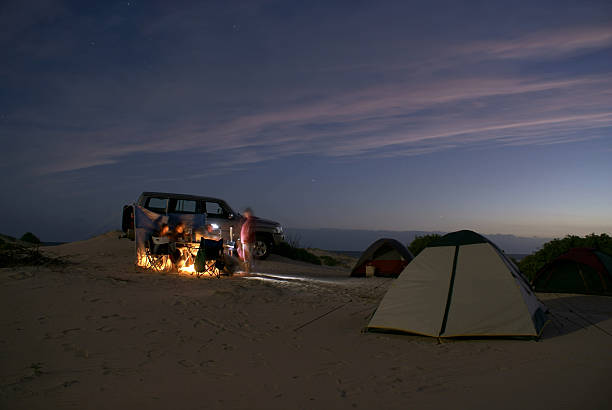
(428, 114)
(375, 119)
(545, 44)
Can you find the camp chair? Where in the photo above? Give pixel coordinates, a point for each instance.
(157, 252)
(210, 259)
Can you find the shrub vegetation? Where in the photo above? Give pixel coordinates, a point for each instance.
(550, 250)
(30, 237)
(421, 242)
(329, 261)
(13, 254)
(299, 254)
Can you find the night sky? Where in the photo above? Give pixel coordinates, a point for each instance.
(435, 115)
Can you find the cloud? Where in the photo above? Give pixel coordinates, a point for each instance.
(378, 121)
(545, 44)
(365, 122)
(424, 104)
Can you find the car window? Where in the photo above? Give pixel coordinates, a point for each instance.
(184, 206)
(157, 204)
(215, 210)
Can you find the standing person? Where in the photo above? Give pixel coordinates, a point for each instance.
(247, 238)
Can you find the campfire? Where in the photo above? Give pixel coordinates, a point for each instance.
(165, 244)
(207, 257)
(185, 266)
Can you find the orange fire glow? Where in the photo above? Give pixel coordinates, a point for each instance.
(186, 267)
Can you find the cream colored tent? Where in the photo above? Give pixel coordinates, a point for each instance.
(461, 285)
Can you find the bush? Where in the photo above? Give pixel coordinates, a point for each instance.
(30, 237)
(551, 250)
(329, 261)
(293, 252)
(421, 242)
(12, 254)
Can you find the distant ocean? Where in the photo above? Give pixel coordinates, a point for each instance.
(357, 254)
(518, 256)
(354, 254)
(360, 239)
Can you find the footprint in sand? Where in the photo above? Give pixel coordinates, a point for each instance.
(78, 352)
(22, 275)
(154, 354)
(208, 363)
(61, 386)
(105, 329)
(186, 363)
(69, 347)
(206, 346)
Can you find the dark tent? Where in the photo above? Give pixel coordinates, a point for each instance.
(580, 270)
(388, 256)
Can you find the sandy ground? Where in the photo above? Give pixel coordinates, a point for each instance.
(100, 334)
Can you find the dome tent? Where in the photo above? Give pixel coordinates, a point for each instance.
(388, 256)
(460, 285)
(579, 270)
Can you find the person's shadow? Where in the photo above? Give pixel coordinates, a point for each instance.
(569, 313)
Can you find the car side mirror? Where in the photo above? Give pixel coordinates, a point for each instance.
(230, 216)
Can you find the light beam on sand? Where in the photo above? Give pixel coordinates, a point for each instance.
(287, 278)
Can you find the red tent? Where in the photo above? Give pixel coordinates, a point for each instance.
(388, 256)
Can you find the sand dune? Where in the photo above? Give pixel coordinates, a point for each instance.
(101, 334)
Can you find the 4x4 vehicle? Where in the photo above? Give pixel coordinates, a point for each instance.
(218, 212)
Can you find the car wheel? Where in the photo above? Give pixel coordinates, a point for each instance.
(262, 247)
